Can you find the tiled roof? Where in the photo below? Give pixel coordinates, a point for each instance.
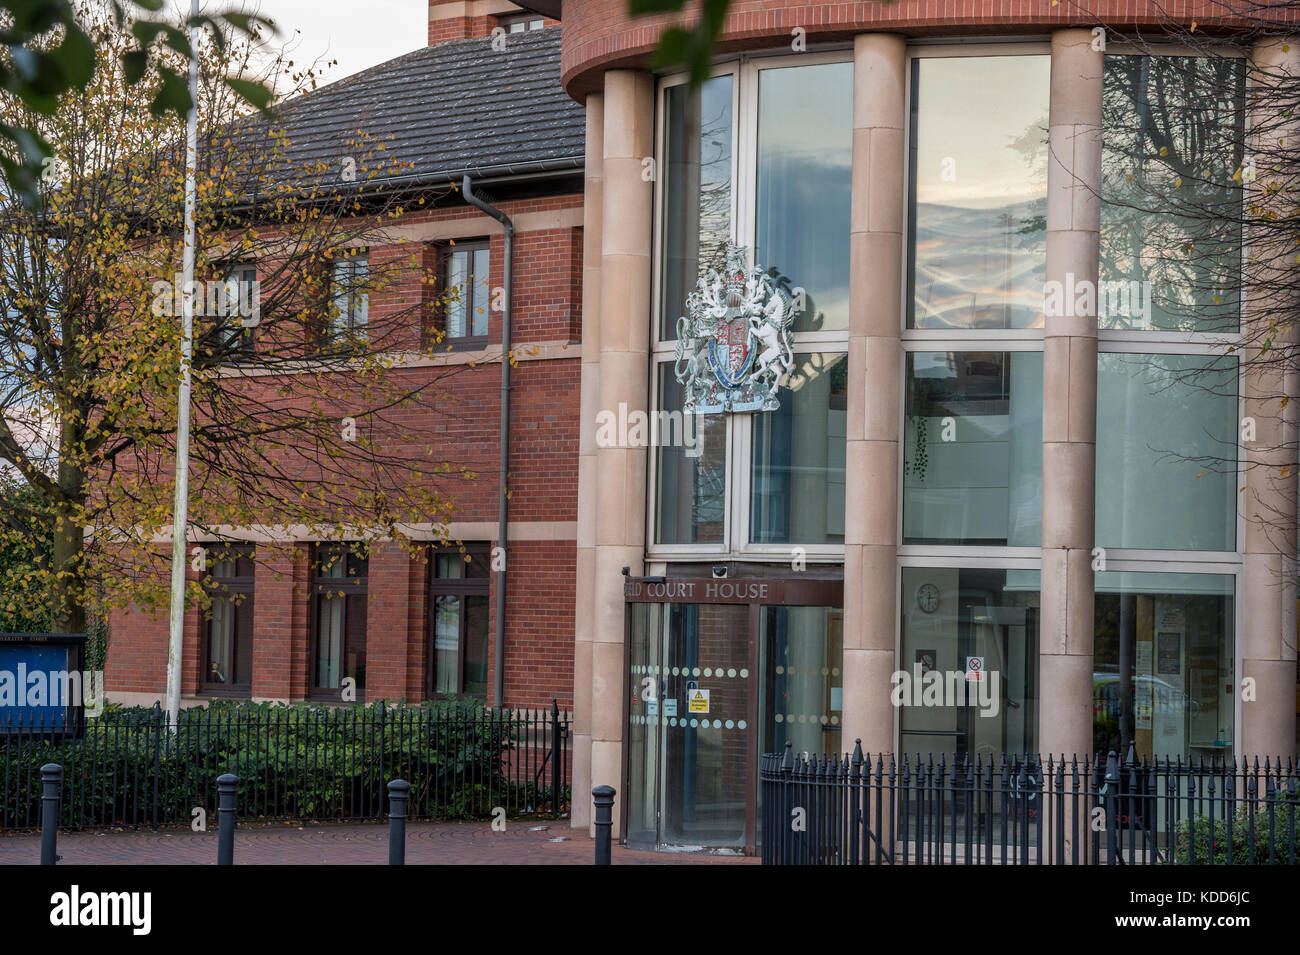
(460, 106)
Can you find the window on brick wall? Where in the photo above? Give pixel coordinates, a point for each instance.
(242, 311)
(458, 622)
(228, 626)
(466, 272)
(522, 22)
(338, 619)
(348, 309)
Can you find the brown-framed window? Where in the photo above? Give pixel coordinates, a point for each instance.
(467, 302)
(228, 625)
(347, 317)
(458, 622)
(338, 616)
(242, 311)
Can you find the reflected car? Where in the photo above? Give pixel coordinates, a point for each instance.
(1165, 697)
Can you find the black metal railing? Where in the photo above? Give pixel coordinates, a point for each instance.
(130, 768)
(1017, 810)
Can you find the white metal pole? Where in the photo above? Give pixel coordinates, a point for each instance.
(180, 506)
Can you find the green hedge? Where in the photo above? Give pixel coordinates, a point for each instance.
(293, 762)
(1194, 846)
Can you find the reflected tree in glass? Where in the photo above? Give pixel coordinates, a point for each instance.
(1171, 232)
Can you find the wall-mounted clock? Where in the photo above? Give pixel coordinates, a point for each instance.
(927, 598)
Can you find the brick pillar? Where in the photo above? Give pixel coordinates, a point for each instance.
(461, 19)
(135, 671)
(388, 585)
(191, 637)
(280, 623)
(585, 578)
(625, 271)
(1269, 500)
(417, 629)
(875, 389)
(1070, 400)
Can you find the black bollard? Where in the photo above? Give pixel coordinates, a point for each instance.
(227, 789)
(51, 793)
(604, 797)
(399, 796)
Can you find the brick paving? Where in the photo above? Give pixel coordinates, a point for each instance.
(427, 843)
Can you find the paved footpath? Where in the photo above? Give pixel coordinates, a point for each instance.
(427, 843)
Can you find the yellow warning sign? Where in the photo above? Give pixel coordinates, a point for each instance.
(697, 701)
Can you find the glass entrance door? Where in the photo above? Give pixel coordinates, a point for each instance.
(689, 726)
(718, 671)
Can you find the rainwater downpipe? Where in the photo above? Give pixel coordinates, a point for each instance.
(503, 515)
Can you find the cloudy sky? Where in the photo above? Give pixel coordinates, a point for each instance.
(357, 34)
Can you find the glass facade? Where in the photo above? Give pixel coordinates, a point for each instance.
(978, 202)
(797, 477)
(801, 655)
(1168, 416)
(697, 194)
(691, 504)
(1170, 255)
(1163, 653)
(769, 478)
(768, 165)
(804, 169)
(1166, 449)
(972, 429)
(973, 448)
(968, 670)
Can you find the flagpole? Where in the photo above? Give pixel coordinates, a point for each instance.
(180, 505)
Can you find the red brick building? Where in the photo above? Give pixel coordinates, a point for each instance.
(490, 104)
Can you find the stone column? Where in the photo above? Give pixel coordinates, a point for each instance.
(627, 203)
(875, 390)
(1070, 400)
(584, 578)
(1269, 500)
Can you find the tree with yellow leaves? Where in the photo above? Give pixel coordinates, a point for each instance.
(311, 348)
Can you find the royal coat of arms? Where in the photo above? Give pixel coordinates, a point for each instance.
(734, 345)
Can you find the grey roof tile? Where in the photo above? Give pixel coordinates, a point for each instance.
(454, 107)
